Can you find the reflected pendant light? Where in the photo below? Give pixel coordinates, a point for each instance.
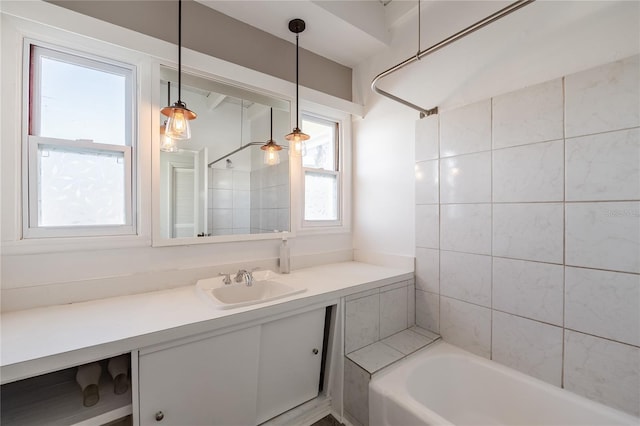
(271, 148)
(179, 115)
(166, 143)
(296, 138)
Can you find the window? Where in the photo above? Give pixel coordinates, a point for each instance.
(320, 163)
(79, 146)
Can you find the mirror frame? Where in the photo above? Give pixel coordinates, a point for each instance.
(157, 239)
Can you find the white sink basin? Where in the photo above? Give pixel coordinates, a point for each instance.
(265, 288)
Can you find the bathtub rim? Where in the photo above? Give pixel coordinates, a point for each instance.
(380, 382)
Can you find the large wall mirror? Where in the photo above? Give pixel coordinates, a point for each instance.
(218, 182)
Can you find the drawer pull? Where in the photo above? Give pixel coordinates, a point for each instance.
(159, 416)
(315, 351)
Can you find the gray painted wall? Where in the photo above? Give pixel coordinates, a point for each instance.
(210, 32)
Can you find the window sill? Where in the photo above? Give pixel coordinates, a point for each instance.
(319, 229)
(56, 245)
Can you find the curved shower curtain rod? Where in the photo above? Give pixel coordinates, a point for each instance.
(447, 41)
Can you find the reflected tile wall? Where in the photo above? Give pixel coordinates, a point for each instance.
(530, 253)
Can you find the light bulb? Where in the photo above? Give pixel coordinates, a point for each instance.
(296, 141)
(177, 125)
(271, 157)
(166, 143)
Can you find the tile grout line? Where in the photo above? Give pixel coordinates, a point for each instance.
(564, 226)
(491, 233)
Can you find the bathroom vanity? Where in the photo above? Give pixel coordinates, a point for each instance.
(190, 363)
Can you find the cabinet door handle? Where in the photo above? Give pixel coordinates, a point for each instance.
(159, 416)
(315, 351)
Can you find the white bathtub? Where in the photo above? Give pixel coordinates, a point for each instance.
(444, 385)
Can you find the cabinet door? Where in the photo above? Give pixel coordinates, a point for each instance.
(208, 382)
(290, 360)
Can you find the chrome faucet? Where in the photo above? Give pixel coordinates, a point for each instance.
(245, 275)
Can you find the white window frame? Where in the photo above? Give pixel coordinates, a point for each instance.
(31, 89)
(311, 224)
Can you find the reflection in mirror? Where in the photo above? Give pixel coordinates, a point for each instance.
(217, 183)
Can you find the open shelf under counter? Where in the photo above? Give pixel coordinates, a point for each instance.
(56, 399)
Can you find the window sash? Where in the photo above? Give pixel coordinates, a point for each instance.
(336, 136)
(327, 222)
(33, 230)
(34, 51)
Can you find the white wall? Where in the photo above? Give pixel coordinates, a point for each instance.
(542, 41)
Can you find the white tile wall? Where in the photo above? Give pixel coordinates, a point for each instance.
(598, 164)
(428, 310)
(471, 282)
(466, 228)
(543, 274)
(393, 311)
(427, 226)
(411, 305)
(531, 231)
(375, 314)
(427, 182)
(603, 370)
(362, 321)
(603, 303)
(356, 391)
(466, 325)
(528, 346)
(529, 173)
(466, 179)
(604, 235)
(529, 289)
(428, 269)
(466, 130)
(529, 115)
(426, 147)
(603, 98)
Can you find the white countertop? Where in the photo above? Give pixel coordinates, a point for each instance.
(41, 340)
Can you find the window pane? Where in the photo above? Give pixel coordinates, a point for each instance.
(80, 188)
(320, 150)
(320, 196)
(78, 102)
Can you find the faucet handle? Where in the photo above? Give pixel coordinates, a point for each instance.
(239, 275)
(227, 278)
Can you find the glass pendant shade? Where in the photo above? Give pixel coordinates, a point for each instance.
(166, 143)
(296, 141)
(178, 122)
(271, 154)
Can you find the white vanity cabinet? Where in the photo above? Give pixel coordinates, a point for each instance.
(206, 382)
(242, 377)
(290, 362)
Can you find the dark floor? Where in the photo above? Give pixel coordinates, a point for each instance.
(327, 421)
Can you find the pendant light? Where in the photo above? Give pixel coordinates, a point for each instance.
(271, 148)
(166, 143)
(296, 138)
(177, 126)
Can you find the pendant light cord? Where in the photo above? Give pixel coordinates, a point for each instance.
(271, 126)
(297, 83)
(419, 30)
(179, 49)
